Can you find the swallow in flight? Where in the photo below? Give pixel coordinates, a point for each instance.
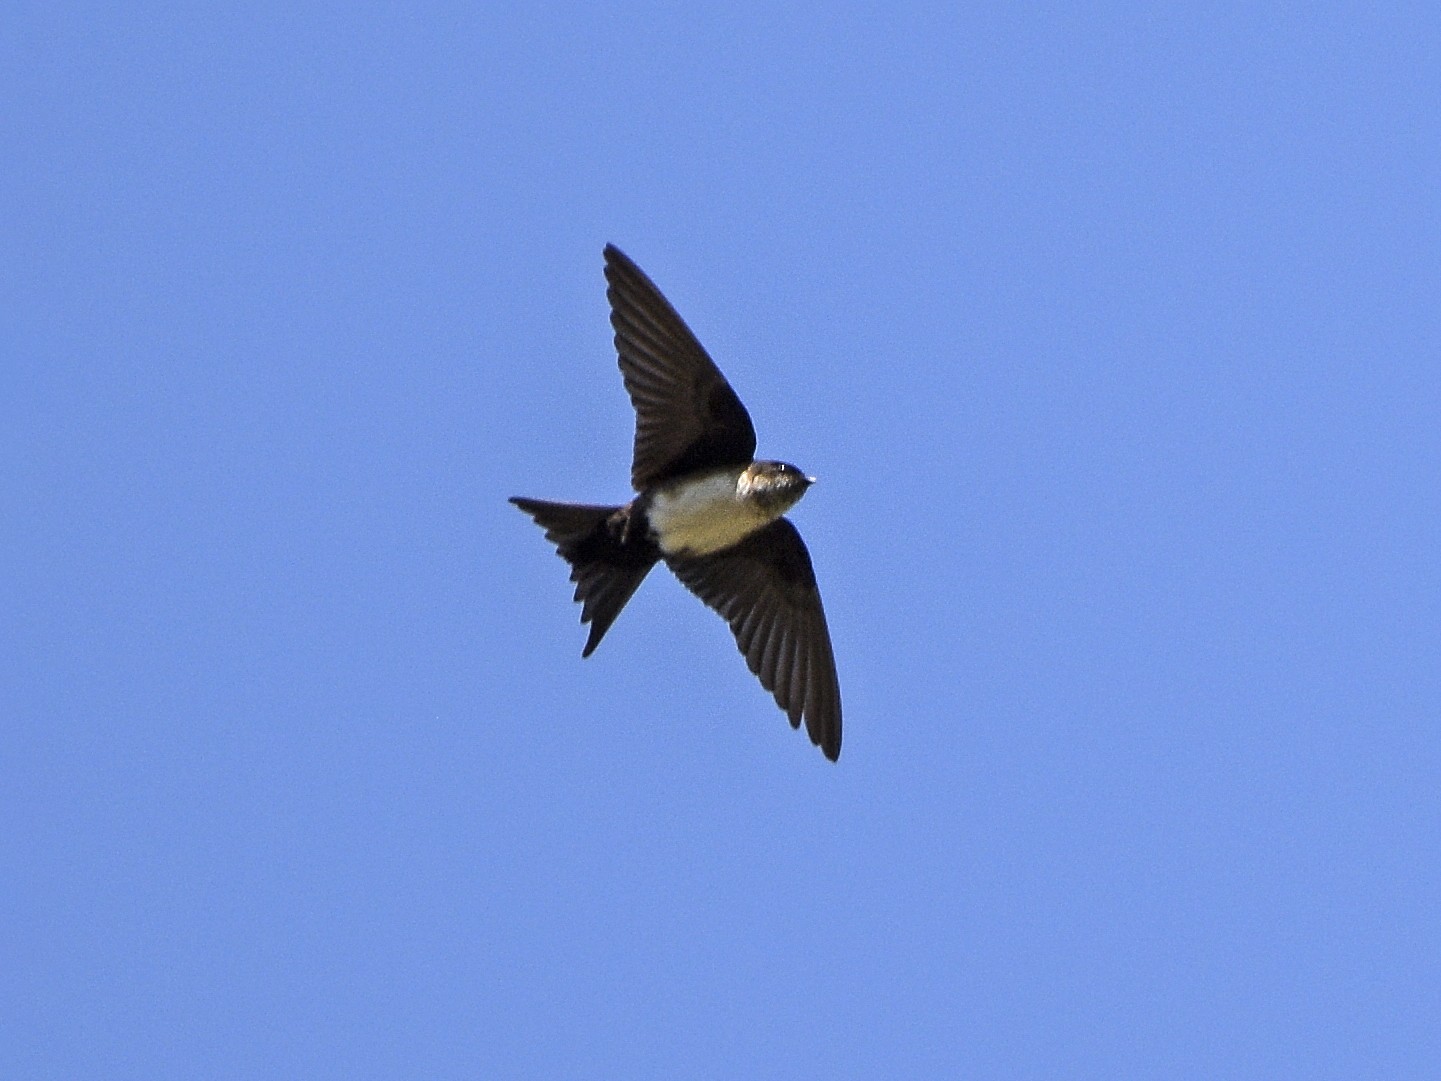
(707, 507)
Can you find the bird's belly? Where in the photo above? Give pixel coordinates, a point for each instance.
(701, 517)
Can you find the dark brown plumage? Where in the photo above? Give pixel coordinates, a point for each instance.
(706, 508)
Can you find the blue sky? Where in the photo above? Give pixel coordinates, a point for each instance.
(1113, 337)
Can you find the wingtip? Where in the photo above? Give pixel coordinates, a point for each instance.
(828, 739)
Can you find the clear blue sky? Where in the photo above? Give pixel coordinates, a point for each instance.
(1113, 337)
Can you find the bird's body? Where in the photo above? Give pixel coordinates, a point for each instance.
(706, 507)
(707, 512)
(701, 514)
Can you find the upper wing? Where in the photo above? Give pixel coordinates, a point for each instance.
(686, 415)
(765, 588)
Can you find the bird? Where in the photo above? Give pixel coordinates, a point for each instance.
(706, 506)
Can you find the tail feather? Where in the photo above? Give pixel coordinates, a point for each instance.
(608, 562)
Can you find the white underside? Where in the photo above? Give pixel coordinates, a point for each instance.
(702, 517)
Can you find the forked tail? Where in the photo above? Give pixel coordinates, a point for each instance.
(607, 560)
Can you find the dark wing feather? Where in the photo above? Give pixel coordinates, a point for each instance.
(687, 417)
(765, 588)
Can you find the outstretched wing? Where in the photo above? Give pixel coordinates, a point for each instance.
(765, 588)
(687, 417)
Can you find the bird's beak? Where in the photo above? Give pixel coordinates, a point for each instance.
(810, 480)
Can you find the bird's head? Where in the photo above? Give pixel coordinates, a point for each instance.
(774, 486)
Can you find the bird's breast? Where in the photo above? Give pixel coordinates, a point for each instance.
(696, 517)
